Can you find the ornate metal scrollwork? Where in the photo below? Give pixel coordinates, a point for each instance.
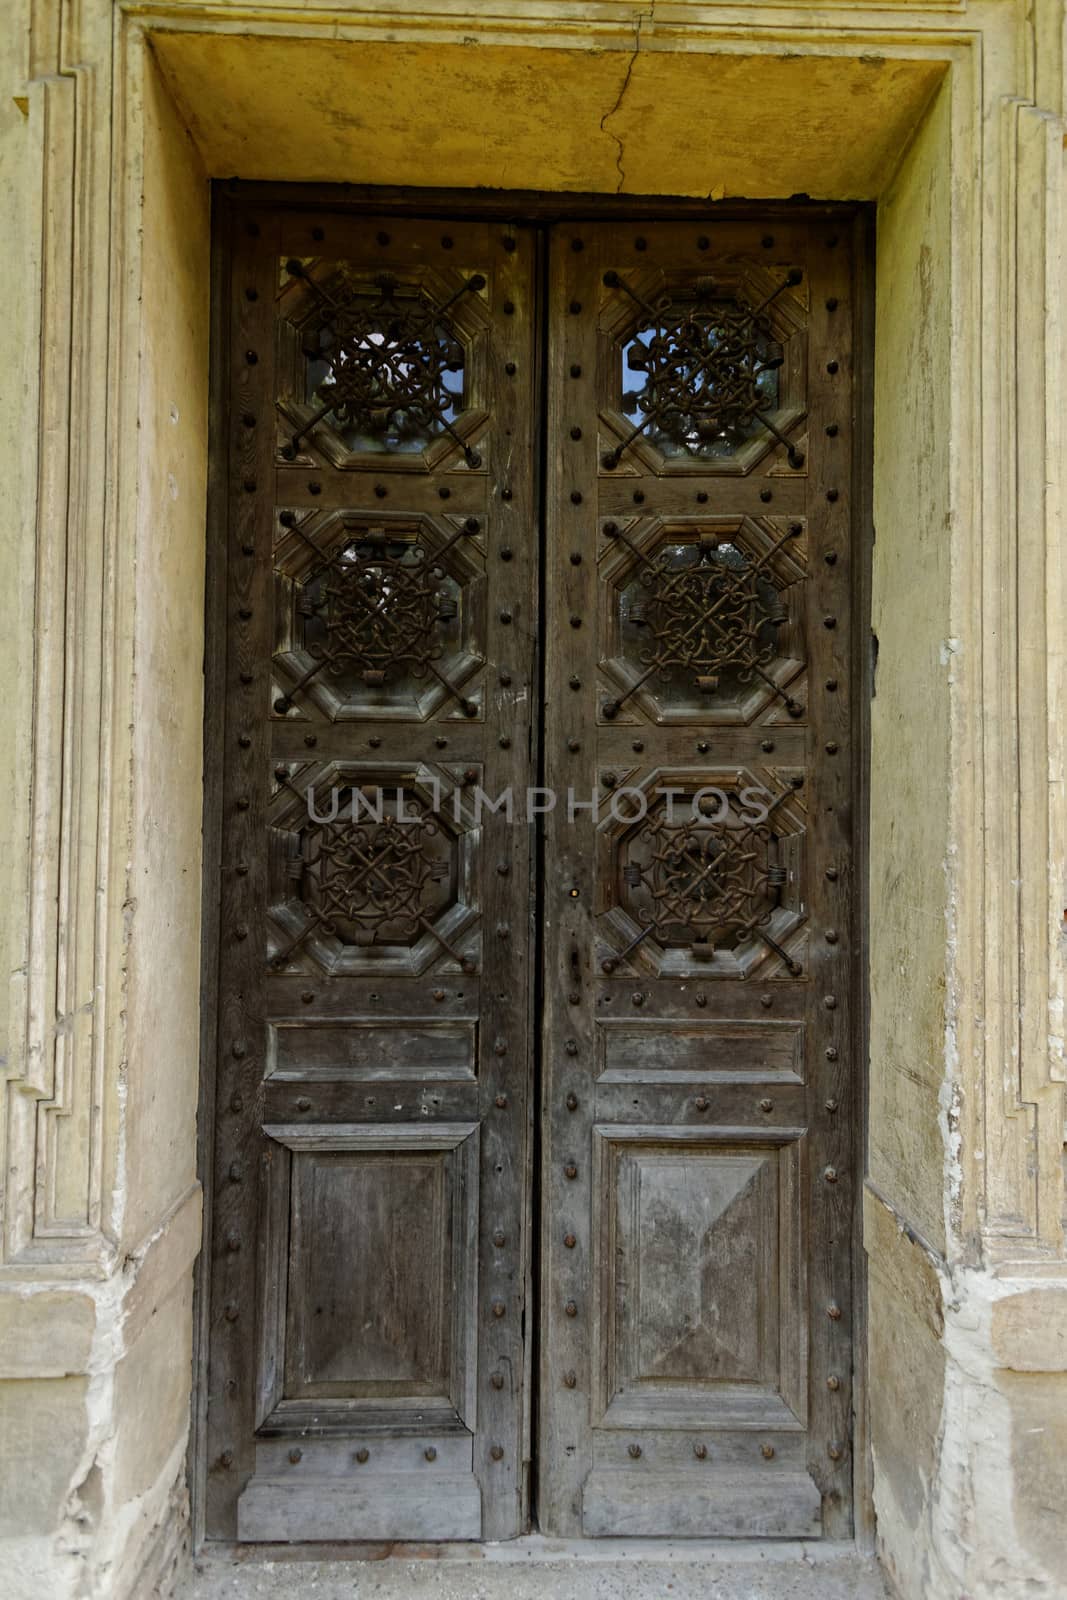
(709, 609)
(365, 877)
(373, 877)
(378, 604)
(382, 361)
(711, 881)
(709, 364)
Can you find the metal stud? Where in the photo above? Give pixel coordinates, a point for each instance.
(497, 1452)
(362, 1455)
(835, 1451)
(569, 1380)
(833, 1311)
(635, 1452)
(766, 1105)
(296, 1455)
(570, 1309)
(830, 1174)
(497, 1380)
(701, 1102)
(500, 1239)
(571, 1102)
(767, 1452)
(430, 1453)
(833, 1383)
(570, 1171)
(499, 1308)
(233, 1311)
(569, 1240)
(830, 1002)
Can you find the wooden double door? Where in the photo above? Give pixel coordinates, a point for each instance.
(535, 740)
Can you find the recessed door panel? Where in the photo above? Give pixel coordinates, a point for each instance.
(697, 1098)
(369, 1376)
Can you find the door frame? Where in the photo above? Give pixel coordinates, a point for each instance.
(539, 208)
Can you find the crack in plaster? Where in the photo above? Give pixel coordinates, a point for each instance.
(613, 111)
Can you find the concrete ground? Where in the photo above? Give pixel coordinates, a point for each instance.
(544, 1569)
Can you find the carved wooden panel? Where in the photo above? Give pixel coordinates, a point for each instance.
(372, 1187)
(700, 1078)
(369, 1233)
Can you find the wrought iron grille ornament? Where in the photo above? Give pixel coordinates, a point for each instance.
(384, 366)
(710, 368)
(709, 610)
(378, 604)
(708, 883)
(369, 882)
